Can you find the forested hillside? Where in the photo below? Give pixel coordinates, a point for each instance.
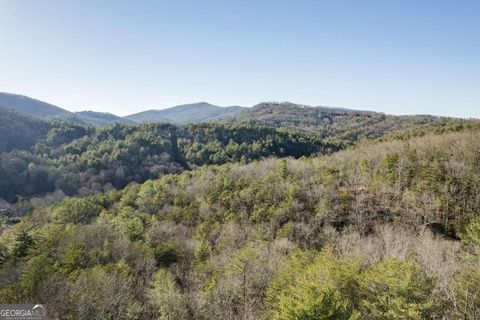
(129, 193)
(76, 159)
(262, 216)
(83, 160)
(41, 110)
(388, 230)
(12, 123)
(186, 113)
(101, 119)
(340, 126)
(32, 106)
(182, 114)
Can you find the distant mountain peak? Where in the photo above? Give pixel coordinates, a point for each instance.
(100, 119)
(186, 113)
(32, 106)
(41, 109)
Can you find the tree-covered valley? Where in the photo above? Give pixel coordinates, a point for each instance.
(43, 155)
(363, 216)
(239, 160)
(75, 159)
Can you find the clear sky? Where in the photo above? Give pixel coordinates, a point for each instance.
(395, 56)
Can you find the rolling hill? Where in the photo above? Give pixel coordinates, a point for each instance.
(345, 124)
(182, 114)
(34, 107)
(43, 110)
(187, 113)
(100, 119)
(13, 124)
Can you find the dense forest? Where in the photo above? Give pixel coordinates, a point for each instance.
(387, 230)
(41, 156)
(13, 124)
(280, 212)
(161, 169)
(344, 127)
(73, 159)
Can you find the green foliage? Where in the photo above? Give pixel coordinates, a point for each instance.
(82, 160)
(242, 259)
(202, 252)
(322, 290)
(248, 241)
(64, 132)
(166, 297)
(467, 285)
(395, 289)
(127, 221)
(364, 167)
(390, 167)
(325, 287)
(432, 173)
(471, 236)
(22, 243)
(286, 231)
(74, 257)
(30, 284)
(412, 166)
(283, 171)
(77, 210)
(3, 254)
(467, 291)
(346, 127)
(79, 160)
(297, 262)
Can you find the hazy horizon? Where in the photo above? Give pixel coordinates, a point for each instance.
(122, 57)
(140, 110)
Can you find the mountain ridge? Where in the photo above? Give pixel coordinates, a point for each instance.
(314, 119)
(185, 113)
(98, 118)
(180, 114)
(32, 106)
(350, 125)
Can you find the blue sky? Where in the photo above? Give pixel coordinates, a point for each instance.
(398, 56)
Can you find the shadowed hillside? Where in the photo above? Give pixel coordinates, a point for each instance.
(13, 124)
